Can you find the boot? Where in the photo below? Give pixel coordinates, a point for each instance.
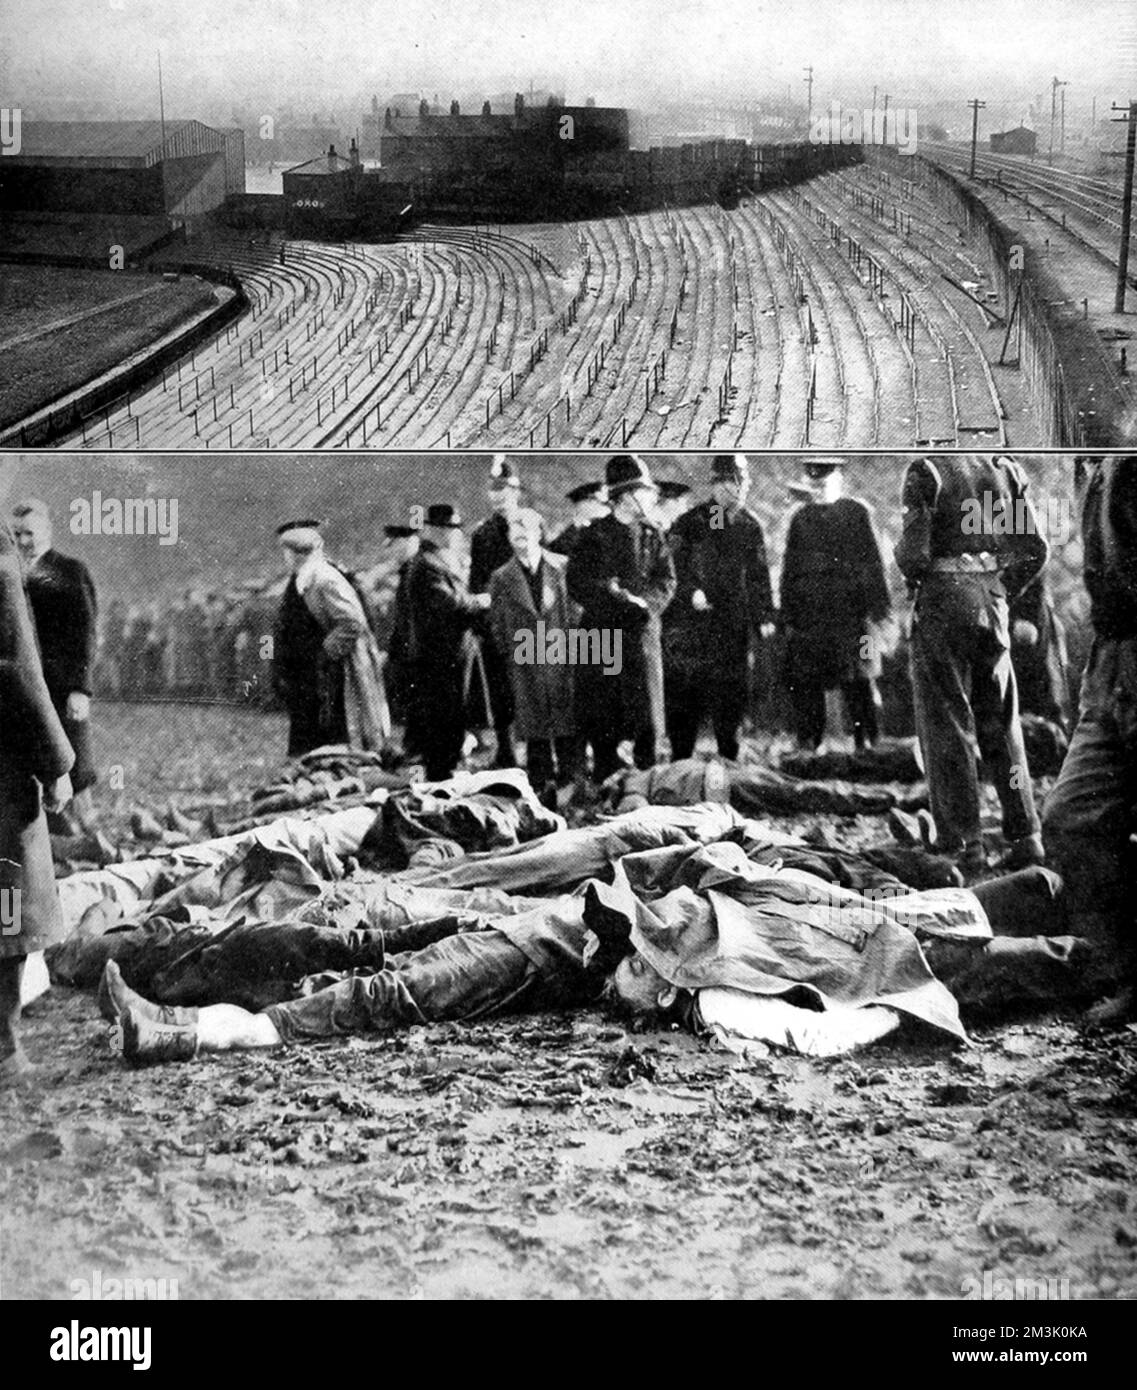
(144, 1041)
(115, 997)
(1115, 1012)
(14, 1063)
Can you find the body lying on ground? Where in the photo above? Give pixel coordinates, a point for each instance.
(682, 931)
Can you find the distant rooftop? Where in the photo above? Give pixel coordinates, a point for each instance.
(94, 139)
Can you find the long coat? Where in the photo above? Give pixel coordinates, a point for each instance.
(725, 556)
(833, 586)
(447, 687)
(33, 750)
(331, 679)
(64, 607)
(543, 691)
(636, 557)
(490, 548)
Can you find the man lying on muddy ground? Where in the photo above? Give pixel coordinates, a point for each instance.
(676, 922)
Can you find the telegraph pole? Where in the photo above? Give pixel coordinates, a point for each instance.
(1055, 84)
(1126, 206)
(808, 95)
(976, 106)
(884, 131)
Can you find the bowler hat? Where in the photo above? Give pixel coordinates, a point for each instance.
(727, 468)
(443, 514)
(626, 472)
(672, 491)
(583, 491)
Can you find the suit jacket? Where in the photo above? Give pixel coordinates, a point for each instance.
(63, 603)
(543, 691)
(33, 750)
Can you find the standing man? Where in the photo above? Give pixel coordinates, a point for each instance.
(489, 550)
(722, 598)
(530, 614)
(963, 572)
(326, 665)
(834, 594)
(444, 622)
(398, 671)
(35, 758)
(1090, 815)
(589, 503)
(621, 574)
(672, 503)
(61, 595)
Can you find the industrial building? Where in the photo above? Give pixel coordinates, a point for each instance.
(1020, 140)
(180, 171)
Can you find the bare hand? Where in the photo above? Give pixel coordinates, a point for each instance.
(78, 707)
(57, 794)
(767, 630)
(1025, 634)
(699, 601)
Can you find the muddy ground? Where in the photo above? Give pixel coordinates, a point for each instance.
(561, 1156)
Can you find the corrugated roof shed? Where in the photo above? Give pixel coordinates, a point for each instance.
(94, 139)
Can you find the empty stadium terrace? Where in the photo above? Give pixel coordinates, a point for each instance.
(854, 309)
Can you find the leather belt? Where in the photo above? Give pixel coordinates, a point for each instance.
(983, 562)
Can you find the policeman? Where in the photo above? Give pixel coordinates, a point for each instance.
(489, 550)
(723, 598)
(620, 572)
(589, 503)
(971, 542)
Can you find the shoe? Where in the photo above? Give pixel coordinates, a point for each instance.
(905, 828)
(115, 997)
(972, 861)
(1027, 853)
(182, 824)
(144, 826)
(1114, 1012)
(144, 1042)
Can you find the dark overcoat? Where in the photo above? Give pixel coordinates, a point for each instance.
(612, 564)
(65, 609)
(543, 690)
(833, 587)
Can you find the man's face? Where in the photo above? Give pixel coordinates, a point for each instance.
(525, 538)
(33, 534)
(639, 987)
(503, 500)
(403, 548)
(731, 494)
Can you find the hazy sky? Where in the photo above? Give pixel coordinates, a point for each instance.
(321, 51)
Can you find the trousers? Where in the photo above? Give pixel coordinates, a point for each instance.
(462, 977)
(1091, 812)
(692, 694)
(967, 708)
